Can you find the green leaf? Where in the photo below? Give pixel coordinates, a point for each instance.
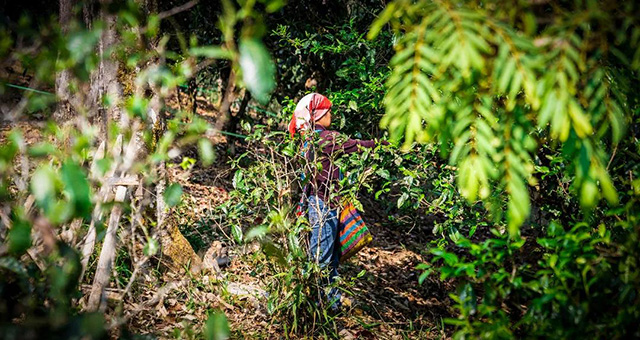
(580, 121)
(42, 150)
(238, 182)
(207, 155)
(384, 173)
(258, 70)
(216, 327)
(403, 198)
(608, 189)
(215, 52)
(151, 248)
(172, 194)
(236, 231)
(77, 187)
(257, 232)
(423, 276)
(102, 166)
(19, 236)
(43, 186)
(353, 105)
(588, 193)
(137, 106)
(382, 20)
(275, 5)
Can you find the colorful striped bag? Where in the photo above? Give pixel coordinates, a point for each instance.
(354, 234)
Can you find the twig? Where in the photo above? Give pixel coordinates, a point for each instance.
(613, 154)
(176, 10)
(133, 276)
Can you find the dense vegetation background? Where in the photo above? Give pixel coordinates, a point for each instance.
(148, 186)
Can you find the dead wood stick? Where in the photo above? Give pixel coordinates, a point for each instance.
(105, 262)
(113, 294)
(128, 180)
(108, 251)
(90, 238)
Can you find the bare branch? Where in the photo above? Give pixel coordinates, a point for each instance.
(176, 10)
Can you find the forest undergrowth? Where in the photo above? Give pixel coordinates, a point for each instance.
(386, 301)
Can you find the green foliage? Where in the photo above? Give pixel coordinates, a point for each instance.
(19, 237)
(173, 194)
(44, 299)
(216, 327)
(258, 70)
(575, 288)
(565, 282)
(342, 64)
(76, 188)
(487, 91)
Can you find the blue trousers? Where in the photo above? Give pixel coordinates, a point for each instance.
(324, 248)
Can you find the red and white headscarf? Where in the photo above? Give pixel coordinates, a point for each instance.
(312, 106)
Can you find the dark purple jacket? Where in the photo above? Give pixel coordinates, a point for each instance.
(322, 182)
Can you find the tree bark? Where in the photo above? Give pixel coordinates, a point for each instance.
(64, 111)
(104, 82)
(232, 125)
(225, 107)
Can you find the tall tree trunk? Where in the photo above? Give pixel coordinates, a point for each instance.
(104, 82)
(64, 110)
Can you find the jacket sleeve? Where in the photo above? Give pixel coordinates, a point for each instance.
(349, 146)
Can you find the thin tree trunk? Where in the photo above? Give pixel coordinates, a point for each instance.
(193, 92)
(106, 84)
(90, 238)
(225, 107)
(232, 125)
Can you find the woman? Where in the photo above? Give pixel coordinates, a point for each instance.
(313, 113)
